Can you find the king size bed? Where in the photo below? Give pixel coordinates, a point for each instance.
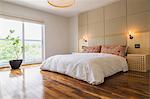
(89, 67)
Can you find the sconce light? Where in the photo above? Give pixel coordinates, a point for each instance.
(130, 35)
(85, 38)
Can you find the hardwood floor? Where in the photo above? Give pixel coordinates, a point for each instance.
(32, 83)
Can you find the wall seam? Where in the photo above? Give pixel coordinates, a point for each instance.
(104, 25)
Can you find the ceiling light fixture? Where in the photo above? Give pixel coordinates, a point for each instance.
(61, 3)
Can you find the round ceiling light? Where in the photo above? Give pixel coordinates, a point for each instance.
(61, 3)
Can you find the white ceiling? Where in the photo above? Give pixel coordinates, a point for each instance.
(80, 6)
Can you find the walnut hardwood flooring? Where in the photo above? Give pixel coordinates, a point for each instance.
(32, 83)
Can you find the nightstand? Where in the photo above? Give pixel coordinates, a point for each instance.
(139, 62)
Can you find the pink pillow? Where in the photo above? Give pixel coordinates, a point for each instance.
(114, 49)
(91, 49)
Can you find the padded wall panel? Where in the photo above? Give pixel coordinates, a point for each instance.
(138, 12)
(139, 22)
(96, 30)
(115, 23)
(82, 19)
(115, 26)
(137, 6)
(109, 24)
(114, 10)
(96, 41)
(106, 25)
(95, 16)
(115, 40)
(140, 38)
(82, 31)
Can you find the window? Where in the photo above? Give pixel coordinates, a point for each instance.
(30, 35)
(33, 42)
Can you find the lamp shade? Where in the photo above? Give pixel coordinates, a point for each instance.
(61, 3)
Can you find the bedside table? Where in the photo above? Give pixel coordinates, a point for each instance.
(139, 62)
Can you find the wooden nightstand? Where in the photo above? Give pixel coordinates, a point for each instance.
(139, 62)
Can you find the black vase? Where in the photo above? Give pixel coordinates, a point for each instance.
(15, 64)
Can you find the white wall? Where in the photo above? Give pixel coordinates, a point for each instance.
(56, 27)
(74, 34)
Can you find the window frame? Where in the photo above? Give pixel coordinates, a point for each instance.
(23, 40)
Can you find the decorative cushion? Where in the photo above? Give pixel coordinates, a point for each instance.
(114, 49)
(91, 49)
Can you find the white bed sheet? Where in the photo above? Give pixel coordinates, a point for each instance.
(89, 67)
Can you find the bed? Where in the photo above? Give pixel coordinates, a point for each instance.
(89, 67)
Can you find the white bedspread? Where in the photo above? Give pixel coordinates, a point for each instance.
(90, 67)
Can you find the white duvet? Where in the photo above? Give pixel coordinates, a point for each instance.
(89, 67)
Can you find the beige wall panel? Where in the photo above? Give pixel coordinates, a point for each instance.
(96, 30)
(115, 40)
(114, 10)
(79, 31)
(79, 20)
(137, 6)
(101, 14)
(139, 22)
(140, 38)
(83, 19)
(96, 41)
(95, 16)
(115, 26)
(149, 42)
(82, 31)
(111, 28)
(123, 8)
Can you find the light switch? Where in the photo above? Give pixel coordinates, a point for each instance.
(137, 45)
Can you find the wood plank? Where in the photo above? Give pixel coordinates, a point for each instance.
(32, 83)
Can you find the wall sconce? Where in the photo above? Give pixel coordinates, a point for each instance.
(130, 35)
(85, 38)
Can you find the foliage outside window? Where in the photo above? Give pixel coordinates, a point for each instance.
(11, 48)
